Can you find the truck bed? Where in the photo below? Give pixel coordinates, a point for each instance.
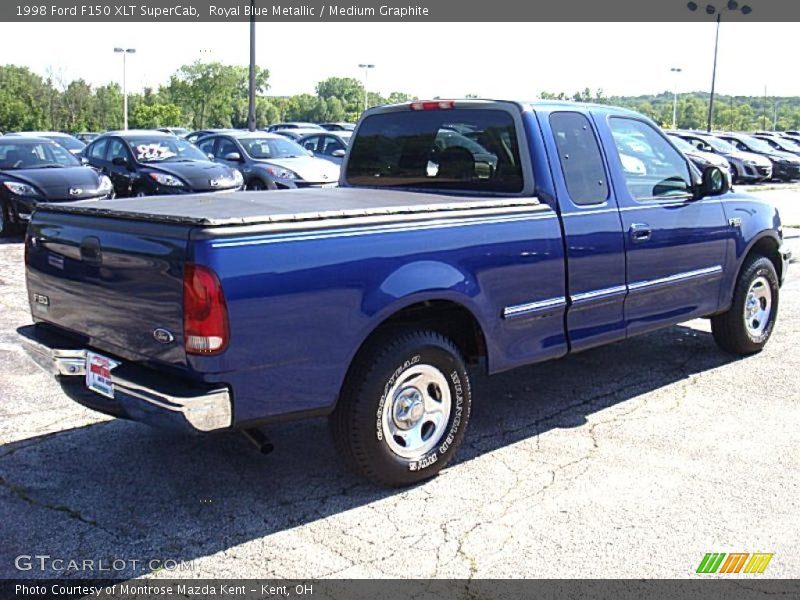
(285, 206)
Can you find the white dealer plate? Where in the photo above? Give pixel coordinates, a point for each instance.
(98, 374)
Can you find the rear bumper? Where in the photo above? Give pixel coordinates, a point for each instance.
(140, 394)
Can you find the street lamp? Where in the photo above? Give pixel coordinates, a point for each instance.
(366, 78)
(710, 9)
(125, 52)
(675, 70)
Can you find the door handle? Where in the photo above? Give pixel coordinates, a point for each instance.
(640, 232)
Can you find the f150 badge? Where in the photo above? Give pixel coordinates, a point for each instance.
(41, 303)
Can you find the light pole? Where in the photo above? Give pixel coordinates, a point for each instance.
(251, 94)
(675, 70)
(710, 9)
(125, 52)
(366, 68)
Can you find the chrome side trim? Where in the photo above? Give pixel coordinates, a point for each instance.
(677, 278)
(598, 294)
(533, 307)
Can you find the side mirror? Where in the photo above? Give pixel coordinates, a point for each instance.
(338, 153)
(210, 156)
(714, 182)
(84, 161)
(233, 157)
(119, 161)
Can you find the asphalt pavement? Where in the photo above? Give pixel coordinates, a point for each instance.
(632, 460)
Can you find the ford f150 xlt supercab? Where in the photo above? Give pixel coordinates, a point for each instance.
(490, 233)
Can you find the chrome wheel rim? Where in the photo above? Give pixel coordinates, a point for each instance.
(140, 194)
(416, 412)
(758, 307)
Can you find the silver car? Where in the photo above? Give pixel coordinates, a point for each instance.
(745, 166)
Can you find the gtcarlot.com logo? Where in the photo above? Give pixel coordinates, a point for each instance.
(734, 563)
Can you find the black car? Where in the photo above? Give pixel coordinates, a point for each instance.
(146, 163)
(781, 144)
(35, 170)
(339, 126)
(785, 166)
(87, 137)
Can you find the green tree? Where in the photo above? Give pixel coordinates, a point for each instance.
(22, 99)
(153, 115)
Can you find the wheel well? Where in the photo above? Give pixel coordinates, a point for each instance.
(449, 318)
(768, 247)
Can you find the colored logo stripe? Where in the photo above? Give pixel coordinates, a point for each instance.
(713, 562)
(758, 563)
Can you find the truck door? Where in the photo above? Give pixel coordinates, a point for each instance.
(675, 244)
(594, 243)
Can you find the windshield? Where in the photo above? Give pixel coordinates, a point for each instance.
(69, 142)
(757, 144)
(272, 148)
(718, 144)
(34, 155)
(450, 149)
(787, 145)
(164, 149)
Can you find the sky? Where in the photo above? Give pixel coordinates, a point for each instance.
(498, 60)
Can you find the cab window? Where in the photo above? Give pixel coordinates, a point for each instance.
(653, 168)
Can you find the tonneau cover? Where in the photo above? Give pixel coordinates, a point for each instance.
(284, 206)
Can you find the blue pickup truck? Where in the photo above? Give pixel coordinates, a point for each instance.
(480, 234)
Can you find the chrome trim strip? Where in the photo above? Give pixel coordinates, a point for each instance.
(597, 294)
(677, 278)
(439, 224)
(531, 307)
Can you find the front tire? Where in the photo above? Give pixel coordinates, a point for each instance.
(6, 226)
(404, 408)
(747, 326)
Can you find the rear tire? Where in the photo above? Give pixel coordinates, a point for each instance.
(747, 326)
(404, 408)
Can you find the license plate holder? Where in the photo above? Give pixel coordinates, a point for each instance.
(98, 374)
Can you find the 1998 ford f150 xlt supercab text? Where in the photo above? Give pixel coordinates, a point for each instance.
(462, 230)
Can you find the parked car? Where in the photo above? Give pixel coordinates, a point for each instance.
(339, 126)
(268, 161)
(201, 133)
(745, 166)
(794, 134)
(292, 125)
(87, 136)
(331, 146)
(785, 166)
(367, 302)
(145, 163)
(176, 131)
(780, 144)
(37, 170)
(71, 143)
(701, 159)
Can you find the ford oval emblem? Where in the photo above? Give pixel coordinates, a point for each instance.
(162, 336)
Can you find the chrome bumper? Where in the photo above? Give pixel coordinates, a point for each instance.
(139, 394)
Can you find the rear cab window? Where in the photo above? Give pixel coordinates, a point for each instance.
(459, 150)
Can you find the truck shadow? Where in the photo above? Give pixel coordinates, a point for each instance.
(116, 489)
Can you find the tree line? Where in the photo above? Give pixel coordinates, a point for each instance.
(211, 94)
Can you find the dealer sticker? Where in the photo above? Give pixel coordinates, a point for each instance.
(98, 374)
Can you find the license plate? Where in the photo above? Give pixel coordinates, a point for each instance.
(98, 374)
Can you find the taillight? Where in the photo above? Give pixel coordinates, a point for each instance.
(205, 315)
(433, 105)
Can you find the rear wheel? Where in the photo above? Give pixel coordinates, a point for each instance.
(747, 326)
(256, 185)
(404, 408)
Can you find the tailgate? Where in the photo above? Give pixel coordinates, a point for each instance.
(117, 283)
